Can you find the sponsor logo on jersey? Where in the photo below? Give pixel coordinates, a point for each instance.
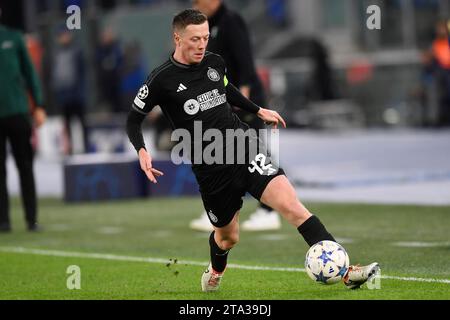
(212, 216)
(211, 99)
(143, 92)
(204, 102)
(191, 107)
(213, 75)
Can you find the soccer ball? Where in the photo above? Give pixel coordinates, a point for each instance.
(326, 262)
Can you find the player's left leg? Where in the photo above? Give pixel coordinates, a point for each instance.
(281, 195)
(264, 218)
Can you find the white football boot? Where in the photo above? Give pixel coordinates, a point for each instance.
(211, 279)
(262, 220)
(202, 223)
(358, 275)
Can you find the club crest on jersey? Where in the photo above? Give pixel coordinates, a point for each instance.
(213, 75)
(143, 92)
(191, 107)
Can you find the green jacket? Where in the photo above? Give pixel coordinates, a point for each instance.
(17, 75)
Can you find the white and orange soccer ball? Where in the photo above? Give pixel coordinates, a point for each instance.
(327, 262)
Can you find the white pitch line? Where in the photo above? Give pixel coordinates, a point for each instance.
(417, 244)
(103, 256)
(416, 279)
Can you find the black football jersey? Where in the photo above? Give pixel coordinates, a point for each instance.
(190, 93)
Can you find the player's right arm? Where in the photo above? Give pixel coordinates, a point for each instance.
(145, 100)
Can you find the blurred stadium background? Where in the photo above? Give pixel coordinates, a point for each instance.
(359, 103)
(365, 125)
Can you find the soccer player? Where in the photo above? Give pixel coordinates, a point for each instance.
(230, 39)
(191, 88)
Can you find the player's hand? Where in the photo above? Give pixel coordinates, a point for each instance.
(39, 116)
(145, 161)
(271, 117)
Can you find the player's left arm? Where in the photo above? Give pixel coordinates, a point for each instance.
(235, 98)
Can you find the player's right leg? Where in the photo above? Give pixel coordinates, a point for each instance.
(222, 207)
(281, 195)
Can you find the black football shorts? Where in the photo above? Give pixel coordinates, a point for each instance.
(231, 184)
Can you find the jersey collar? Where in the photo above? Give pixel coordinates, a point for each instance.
(186, 66)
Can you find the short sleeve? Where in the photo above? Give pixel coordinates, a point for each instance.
(148, 95)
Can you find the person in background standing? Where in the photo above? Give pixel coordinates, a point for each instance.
(110, 61)
(229, 37)
(18, 76)
(68, 84)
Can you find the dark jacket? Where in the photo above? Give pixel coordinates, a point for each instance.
(229, 37)
(17, 75)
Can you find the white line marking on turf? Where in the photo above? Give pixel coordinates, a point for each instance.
(344, 240)
(416, 279)
(109, 230)
(58, 227)
(161, 233)
(273, 237)
(416, 244)
(103, 256)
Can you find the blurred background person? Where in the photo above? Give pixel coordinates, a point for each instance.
(16, 77)
(277, 11)
(133, 74)
(109, 64)
(437, 72)
(230, 38)
(321, 87)
(69, 85)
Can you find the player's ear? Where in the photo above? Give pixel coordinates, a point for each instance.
(176, 38)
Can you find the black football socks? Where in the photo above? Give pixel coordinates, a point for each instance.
(218, 256)
(265, 207)
(314, 231)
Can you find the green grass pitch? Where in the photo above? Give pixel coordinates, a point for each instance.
(123, 234)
